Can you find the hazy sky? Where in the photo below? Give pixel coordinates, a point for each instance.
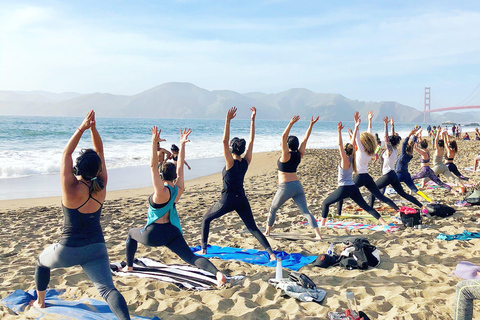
(375, 51)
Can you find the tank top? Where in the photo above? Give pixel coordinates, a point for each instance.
(156, 211)
(437, 160)
(233, 177)
(292, 164)
(345, 175)
(81, 229)
(389, 161)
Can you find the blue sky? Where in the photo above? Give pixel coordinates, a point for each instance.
(375, 51)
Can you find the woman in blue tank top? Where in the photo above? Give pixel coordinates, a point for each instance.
(233, 193)
(289, 186)
(82, 242)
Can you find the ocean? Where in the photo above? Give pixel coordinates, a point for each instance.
(31, 147)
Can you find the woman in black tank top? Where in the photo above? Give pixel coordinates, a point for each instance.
(233, 193)
(82, 242)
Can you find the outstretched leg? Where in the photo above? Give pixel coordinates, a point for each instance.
(226, 204)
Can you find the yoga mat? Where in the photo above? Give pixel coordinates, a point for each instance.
(57, 308)
(466, 236)
(357, 226)
(292, 261)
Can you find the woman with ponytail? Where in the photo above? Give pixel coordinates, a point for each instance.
(289, 186)
(82, 242)
(346, 186)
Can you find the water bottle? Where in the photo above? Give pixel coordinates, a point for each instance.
(352, 303)
(278, 270)
(330, 249)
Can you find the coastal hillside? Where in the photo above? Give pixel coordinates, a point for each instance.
(185, 100)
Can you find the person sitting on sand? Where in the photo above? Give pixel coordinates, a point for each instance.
(388, 169)
(426, 171)
(175, 150)
(466, 136)
(346, 186)
(366, 144)
(82, 242)
(233, 193)
(163, 225)
(289, 186)
(452, 150)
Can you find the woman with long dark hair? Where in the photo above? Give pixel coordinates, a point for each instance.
(82, 242)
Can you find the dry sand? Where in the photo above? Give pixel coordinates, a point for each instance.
(411, 282)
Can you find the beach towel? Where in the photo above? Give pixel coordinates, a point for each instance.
(292, 261)
(184, 276)
(466, 236)
(57, 308)
(357, 226)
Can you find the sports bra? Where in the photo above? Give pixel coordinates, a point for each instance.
(174, 158)
(425, 160)
(449, 159)
(292, 164)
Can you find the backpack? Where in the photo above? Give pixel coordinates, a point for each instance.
(410, 217)
(360, 254)
(440, 210)
(473, 197)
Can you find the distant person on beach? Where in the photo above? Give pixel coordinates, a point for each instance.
(453, 130)
(452, 150)
(459, 131)
(163, 224)
(346, 185)
(477, 134)
(466, 136)
(175, 150)
(422, 149)
(429, 128)
(389, 176)
(233, 193)
(366, 144)
(432, 134)
(82, 242)
(289, 186)
(162, 155)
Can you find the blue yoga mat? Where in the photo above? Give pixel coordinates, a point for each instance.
(292, 261)
(466, 235)
(84, 309)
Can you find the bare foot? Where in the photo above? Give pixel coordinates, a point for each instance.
(318, 237)
(202, 252)
(267, 231)
(127, 269)
(221, 279)
(36, 304)
(273, 257)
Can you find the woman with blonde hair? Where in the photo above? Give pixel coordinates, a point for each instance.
(366, 145)
(346, 186)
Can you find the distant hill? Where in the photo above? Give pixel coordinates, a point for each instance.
(185, 100)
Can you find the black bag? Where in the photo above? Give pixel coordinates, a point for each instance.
(360, 255)
(473, 197)
(302, 280)
(440, 210)
(324, 260)
(410, 220)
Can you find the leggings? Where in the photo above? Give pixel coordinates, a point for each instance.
(404, 176)
(466, 291)
(94, 260)
(165, 234)
(344, 192)
(428, 172)
(391, 179)
(441, 168)
(290, 190)
(233, 201)
(453, 169)
(365, 180)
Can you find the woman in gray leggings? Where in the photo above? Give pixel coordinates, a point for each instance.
(289, 186)
(82, 242)
(466, 292)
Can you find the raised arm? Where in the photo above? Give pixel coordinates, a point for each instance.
(285, 151)
(249, 152)
(231, 113)
(437, 136)
(303, 145)
(370, 118)
(180, 182)
(155, 174)
(98, 146)
(344, 160)
(405, 142)
(385, 137)
(356, 136)
(392, 123)
(67, 178)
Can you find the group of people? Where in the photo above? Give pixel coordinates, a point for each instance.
(84, 191)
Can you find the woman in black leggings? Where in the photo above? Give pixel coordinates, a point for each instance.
(233, 193)
(163, 225)
(346, 186)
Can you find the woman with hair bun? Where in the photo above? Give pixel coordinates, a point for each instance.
(452, 150)
(346, 186)
(289, 186)
(82, 242)
(233, 193)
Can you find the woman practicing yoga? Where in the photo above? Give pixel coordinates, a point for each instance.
(426, 171)
(389, 176)
(233, 193)
(366, 144)
(289, 186)
(163, 225)
(452, 150)
(82, 242)
(346, 186)
(175, 151)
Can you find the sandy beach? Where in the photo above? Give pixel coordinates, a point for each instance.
(412, 281)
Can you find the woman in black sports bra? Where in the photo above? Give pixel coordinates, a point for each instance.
(233, 193)
(289, 186)
(82, 242)
(452, 150)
